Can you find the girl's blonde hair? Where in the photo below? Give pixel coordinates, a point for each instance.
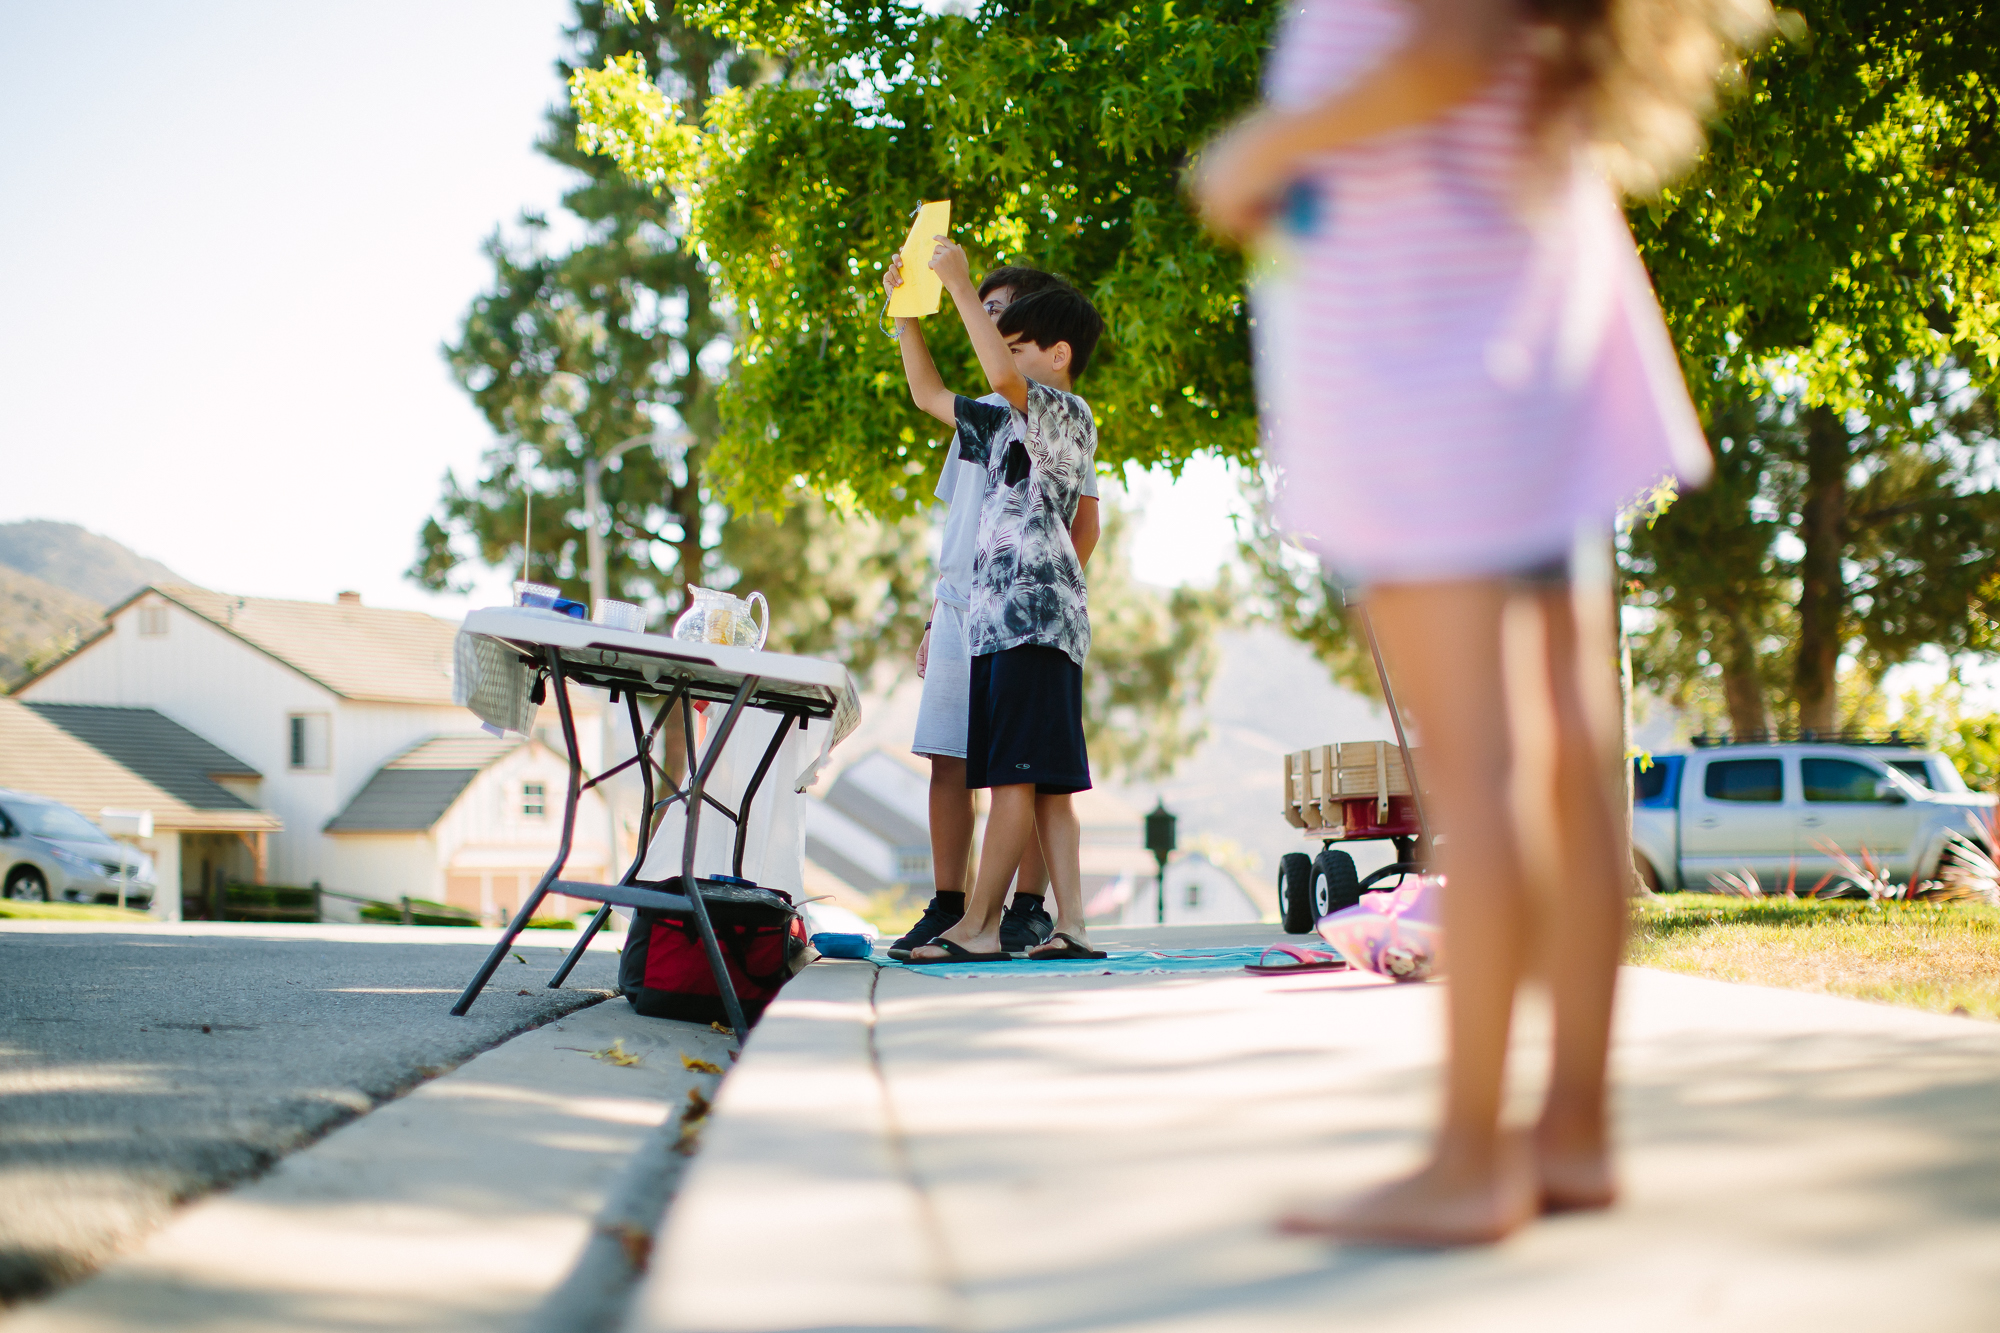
(1634, 80)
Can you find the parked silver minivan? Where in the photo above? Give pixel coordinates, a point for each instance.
(50, 853)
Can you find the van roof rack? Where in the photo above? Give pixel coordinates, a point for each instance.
(1894, 738)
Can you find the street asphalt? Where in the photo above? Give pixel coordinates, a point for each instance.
(146, 1067)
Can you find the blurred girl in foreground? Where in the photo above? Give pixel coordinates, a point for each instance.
(1464, 373)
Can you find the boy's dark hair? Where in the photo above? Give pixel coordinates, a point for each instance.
(1059, 315)
(1020, 281)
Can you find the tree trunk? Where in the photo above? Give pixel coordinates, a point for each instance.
(1822, 591)
(1742, 684)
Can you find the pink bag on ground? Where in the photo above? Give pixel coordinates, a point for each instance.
(1395, 932)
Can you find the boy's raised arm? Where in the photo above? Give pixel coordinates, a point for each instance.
(948, 262)
(926, 385)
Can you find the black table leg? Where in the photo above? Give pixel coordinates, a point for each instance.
(642, 742)
(785, 721)
(534, 900)
(723, 984)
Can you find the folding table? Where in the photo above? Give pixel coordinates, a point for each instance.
(507, 657)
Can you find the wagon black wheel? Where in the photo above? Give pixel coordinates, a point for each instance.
(1334, 883)
(27, 885)
(1295, 903)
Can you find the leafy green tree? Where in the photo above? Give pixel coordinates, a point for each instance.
(1834, 244)
(1728, 570)
(1834, 250)
(1057, 128)
(569, 355)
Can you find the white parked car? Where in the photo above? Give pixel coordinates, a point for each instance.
(50, 853)
(1781, 811)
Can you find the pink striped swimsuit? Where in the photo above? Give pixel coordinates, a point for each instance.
(1451, 388)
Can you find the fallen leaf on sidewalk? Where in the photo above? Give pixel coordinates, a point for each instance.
(692, 1120)
(700, 1066)
(727, 1032)
(614, 1054)
(523, 992)
(517, 958)
(637, 1244)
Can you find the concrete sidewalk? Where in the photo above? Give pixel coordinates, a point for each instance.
(898, 1150)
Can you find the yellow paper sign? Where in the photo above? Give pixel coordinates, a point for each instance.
(921, 291)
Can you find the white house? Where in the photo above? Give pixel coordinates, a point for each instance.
(1198, 893)
(344, 717)
(206, 825)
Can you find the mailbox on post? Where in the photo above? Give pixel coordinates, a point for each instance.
(1160, 826)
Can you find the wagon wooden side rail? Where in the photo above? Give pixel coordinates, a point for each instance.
(1349, 791)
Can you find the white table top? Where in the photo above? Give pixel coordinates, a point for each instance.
(599, 655)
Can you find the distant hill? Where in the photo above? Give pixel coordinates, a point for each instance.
(1270, 696)
(78, 560)
(56, 579)
(38, 619)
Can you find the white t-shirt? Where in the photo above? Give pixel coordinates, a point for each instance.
(962, 486)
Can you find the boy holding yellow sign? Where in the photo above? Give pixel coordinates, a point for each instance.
(1027, 619)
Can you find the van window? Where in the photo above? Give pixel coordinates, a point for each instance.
(1916, 770)
(1839, 780)
(1744, 780)
(54, 821)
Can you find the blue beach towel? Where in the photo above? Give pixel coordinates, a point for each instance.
(1133, 961)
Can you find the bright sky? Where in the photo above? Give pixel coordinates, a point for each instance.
(233, 237)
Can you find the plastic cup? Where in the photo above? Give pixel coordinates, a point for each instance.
(620, 615)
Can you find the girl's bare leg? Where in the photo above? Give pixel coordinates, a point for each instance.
(1443, 646)
(1583, 932)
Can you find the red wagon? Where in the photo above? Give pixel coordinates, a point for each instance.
(1350, 791)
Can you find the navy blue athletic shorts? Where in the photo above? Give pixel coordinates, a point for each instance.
(1024, 722)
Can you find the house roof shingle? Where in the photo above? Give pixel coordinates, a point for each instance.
(157, 748)
(412, 791)
(365, 653)
(37, 755)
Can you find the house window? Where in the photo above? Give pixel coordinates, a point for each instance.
(533, 797)
(153, 620)
(1193, 894)
(305, 737)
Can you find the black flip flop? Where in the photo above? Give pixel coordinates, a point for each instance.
(955, 953)
(1070, 949)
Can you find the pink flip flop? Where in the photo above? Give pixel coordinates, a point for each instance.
(1303, 960)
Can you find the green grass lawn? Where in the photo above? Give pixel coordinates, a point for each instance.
(21, 911)
(1943, 958)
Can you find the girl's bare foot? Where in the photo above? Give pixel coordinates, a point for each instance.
(1573, 1172)
(1438, 1206)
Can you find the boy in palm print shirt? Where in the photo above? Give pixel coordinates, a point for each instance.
(1028, 623)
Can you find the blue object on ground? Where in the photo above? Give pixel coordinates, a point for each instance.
(1131, 960)
(836, 945)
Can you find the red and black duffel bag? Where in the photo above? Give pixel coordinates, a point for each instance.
(664, 970)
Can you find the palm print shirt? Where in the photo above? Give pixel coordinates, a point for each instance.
(1027, 585)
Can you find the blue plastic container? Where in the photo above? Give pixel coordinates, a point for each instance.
(836, 945)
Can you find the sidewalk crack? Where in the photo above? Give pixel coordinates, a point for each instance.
(944, 1273)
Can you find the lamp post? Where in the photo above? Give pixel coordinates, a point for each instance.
(593, 506)
(1160, 842)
